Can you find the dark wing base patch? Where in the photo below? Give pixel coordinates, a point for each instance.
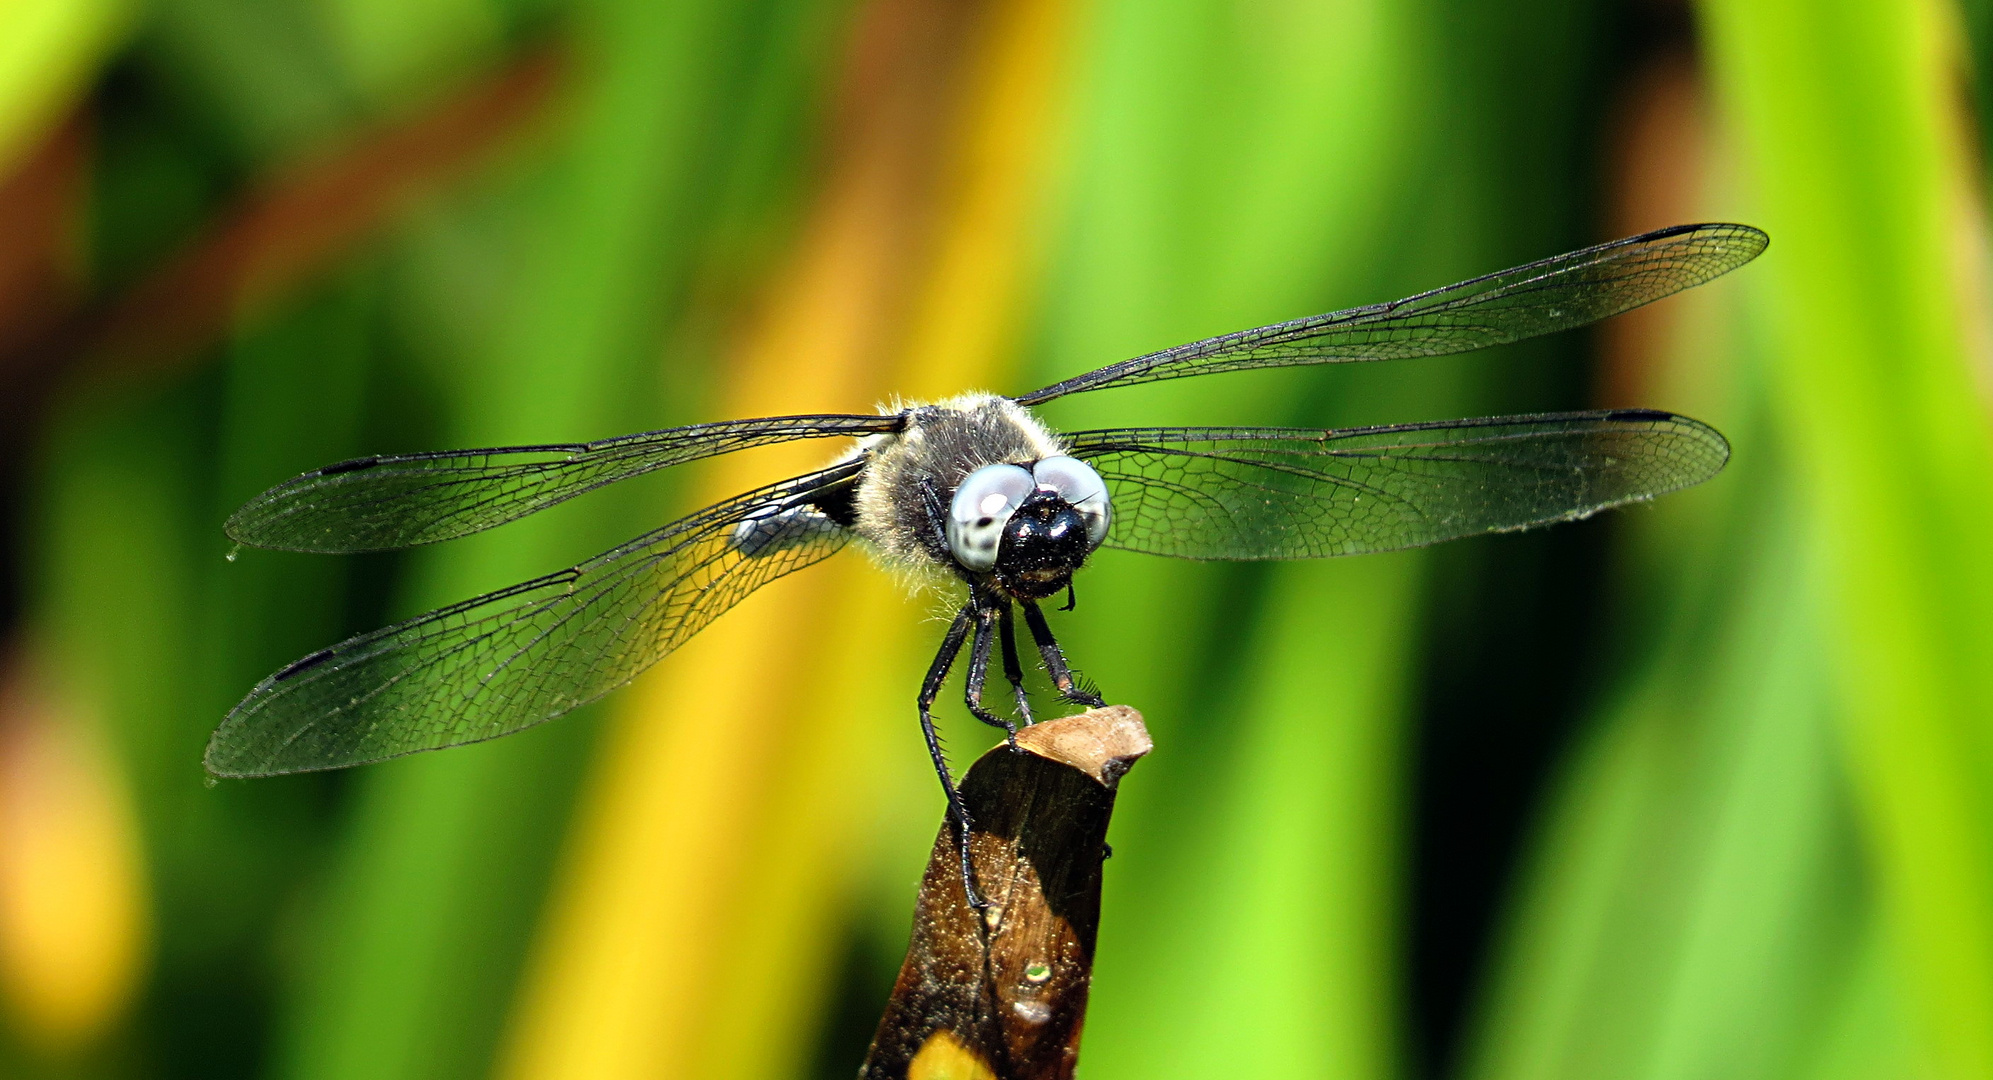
(523, 655)
(382, 503)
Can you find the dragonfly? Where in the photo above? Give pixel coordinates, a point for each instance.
(974, 493)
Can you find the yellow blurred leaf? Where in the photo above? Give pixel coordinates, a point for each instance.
(693, 933)
(72, 909)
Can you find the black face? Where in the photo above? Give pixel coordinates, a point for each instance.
(1043, 544)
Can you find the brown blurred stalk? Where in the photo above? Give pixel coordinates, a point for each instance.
(272, 241)
(1001, 994)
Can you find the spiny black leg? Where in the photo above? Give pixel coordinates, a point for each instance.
(1055, 661)
(1012, 668)
(936, 519)
(979, 669)
(930, 688)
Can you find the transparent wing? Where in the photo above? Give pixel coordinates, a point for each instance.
(1282, 493)
(513, 658)
(378, 503)
(1540, 298)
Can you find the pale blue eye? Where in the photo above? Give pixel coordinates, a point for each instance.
(1075, 481)
(982, 506)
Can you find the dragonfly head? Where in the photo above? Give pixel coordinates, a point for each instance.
(1044, 543)
(1028, 528)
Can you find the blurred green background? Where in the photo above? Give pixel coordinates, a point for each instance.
(1696, 790)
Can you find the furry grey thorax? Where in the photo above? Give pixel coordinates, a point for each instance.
(911, 474)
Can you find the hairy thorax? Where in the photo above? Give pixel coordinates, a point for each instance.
(913, 473)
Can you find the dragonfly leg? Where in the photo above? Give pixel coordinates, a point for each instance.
(1055, 661)
(930, 689)
(1013, 670)
(936, 520)
(979, 667)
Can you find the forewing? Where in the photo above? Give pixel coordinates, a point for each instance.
(513, 658)
(1543, 297)
(378, 503)
(1278, 493)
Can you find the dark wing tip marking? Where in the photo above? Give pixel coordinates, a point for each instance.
(1743, 242)
(350, 465)
(1725, 228)
(1630, 415)
(303, 664)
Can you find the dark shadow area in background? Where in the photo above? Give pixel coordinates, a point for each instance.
(1510, 644)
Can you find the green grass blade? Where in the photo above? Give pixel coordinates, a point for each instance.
(1842, 113)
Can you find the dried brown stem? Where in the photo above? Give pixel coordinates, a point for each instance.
(1001, 994)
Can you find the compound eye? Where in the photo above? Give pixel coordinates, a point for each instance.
(981, 508)
(1075, 481)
